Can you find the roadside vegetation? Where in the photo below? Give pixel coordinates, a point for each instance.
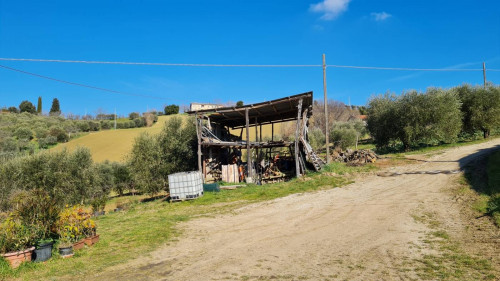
(145, 224)
(493, 170)
(450, 261)
(71, 180)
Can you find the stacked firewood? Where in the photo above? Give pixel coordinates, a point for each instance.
(356, 157)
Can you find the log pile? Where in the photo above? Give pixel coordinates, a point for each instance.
(355, 157)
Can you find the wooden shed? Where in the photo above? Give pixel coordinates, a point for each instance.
(223, 155)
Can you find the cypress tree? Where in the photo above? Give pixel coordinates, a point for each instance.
(55, 109)
(39, 106)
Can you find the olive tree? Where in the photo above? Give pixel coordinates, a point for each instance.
(480, 108)
(153, 158)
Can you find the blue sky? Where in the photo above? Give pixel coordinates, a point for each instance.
(416, 34)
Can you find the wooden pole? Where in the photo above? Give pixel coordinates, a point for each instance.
(484, 74)
(249, 154)
(327, 141)
(198, 134)
(272, 131)
(297, 164)
(256, 149)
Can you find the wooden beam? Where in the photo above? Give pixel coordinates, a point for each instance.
(297, 164)
(249, 153)
(198, 133)
(272, 131)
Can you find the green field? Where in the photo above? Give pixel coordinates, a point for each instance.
(112, 145)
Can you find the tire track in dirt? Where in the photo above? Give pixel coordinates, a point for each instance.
(364, 231)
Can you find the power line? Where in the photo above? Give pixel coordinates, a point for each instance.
(164, 64)
(79, 84)
(246, 65)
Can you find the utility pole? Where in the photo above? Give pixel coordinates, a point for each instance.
(115, 118)
(326, 112)
(484, 74)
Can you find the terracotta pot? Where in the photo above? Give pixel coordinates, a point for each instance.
(79, 245)
(89, 241)
(16, 258)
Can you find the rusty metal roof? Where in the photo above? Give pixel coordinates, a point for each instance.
(274, 111)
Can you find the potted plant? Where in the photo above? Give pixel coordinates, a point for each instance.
(43, 249)
(39, 212)
(69, 231)
(90, 232)
(65, 247)
(15, 242)
(98, 204)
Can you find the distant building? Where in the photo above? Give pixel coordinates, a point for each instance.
(194, 106)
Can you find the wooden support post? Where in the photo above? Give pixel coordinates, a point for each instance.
(260, 134)
(249, 153)
(297, 164)
(272, 131)
(256, 149)
(198, 134)
(256, 132)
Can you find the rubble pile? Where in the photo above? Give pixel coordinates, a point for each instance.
(355, 157)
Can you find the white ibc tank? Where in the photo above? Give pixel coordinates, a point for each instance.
(185, 185)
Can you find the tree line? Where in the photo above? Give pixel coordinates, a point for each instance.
(436, 116)
(73, 178)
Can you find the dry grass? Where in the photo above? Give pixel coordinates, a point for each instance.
(112, 145)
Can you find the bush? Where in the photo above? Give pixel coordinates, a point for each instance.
(153, 158)
(139, 122)
(105, 125)
(27, 106)
(344, 137)
(171, 109)
(146, 166)
(13, 109)
(83, 126)
(316, 138)
(45, 142)
(414, 118)
(41, 132)
(150, 118)
(59, 133)
(15, 236)
(23, 133)
(134, 115)
(8, 144)
(94, 126)
(36, 210)
(122, 177)
(69, 178)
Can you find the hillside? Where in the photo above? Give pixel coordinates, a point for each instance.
(112, 145)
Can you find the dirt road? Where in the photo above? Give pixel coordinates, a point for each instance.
(364, 231)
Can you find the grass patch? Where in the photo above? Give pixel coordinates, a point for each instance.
(493, 171)
(451, 262)
(146, 226)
